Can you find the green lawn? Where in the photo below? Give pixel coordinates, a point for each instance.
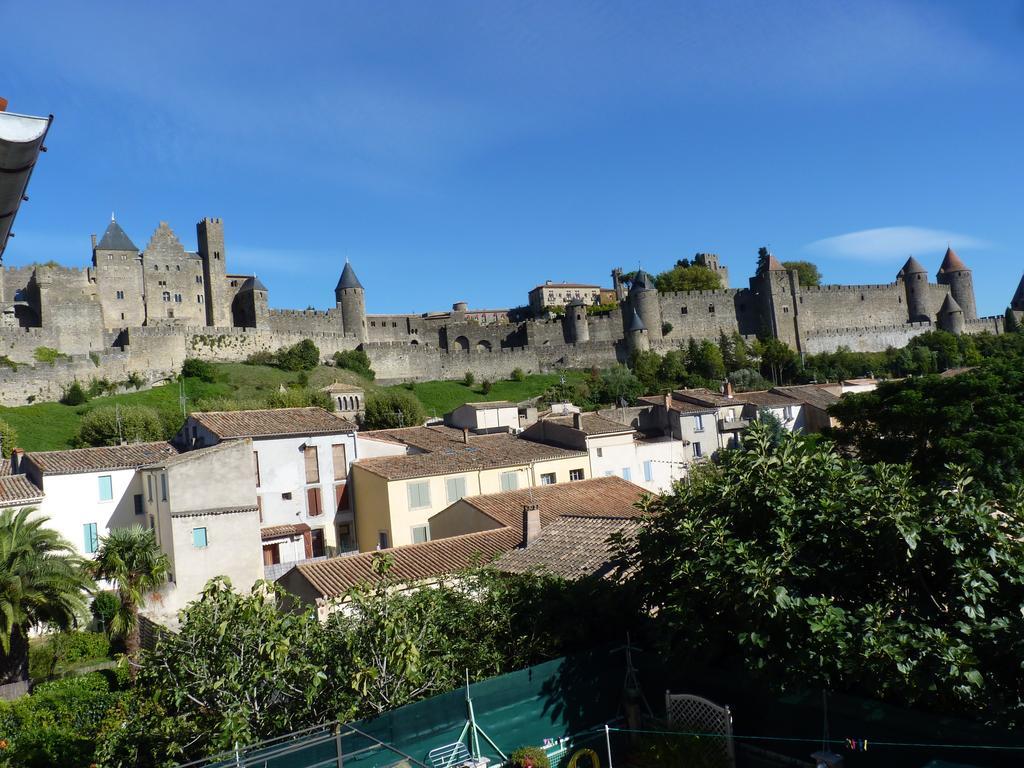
(51, 426)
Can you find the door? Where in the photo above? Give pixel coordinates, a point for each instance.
(271, 554)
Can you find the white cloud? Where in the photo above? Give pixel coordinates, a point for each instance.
(886, 243)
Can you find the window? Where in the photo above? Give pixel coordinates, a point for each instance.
(312, 464)
(149, 486)
(698, 423)
(711, 308)
(340, 461)
(199, 279)
(106, 488)
(120, 294)
(317, 540)
(166, 295)
(627, 473)
(256, 467)
(138, 503)
(419, 494)
(420, 534)
(787, 412)
(177, 298)
(199, 298)
(92, 542)
(575, 474)
(509, 481)
(697, 451)
(730, 415)
(648, 471)
(547, 478)
(455, 488)
(287, 495)
(600, 452)
(382, 540)
(314, 507)
(683, 311)
(163, 487)
(199, 538)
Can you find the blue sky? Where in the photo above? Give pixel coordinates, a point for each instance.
(468, 150)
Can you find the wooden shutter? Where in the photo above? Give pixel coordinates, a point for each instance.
(341, 496)
(313, 506)
(340, 461)
(312, 465)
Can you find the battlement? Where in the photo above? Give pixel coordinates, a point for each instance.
(301, 312)
(209, 220)
(826, 332)
(833, 288)
(714, 293)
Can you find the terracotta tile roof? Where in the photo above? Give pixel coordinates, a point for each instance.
(951, 262)
(333, 577)
(97, 459)
(571, 547)
(272, 422)
(277, 531)
(340, 386)
(213, 511)
(815, 395)
(610, 497)
(196, 454)
(5, 468)
(680, 406)
(765, 399)
(18, 489)
(704, 397)
(591, 424)
(425, 438)
(481, 452)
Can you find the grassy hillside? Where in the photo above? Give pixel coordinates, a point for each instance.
(50, 426)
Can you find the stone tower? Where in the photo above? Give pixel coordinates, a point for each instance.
(210, 236)
(576, 328)
(118, 271)
(957, 276)
(711, 261)
(777, 291)
(251, 308)
(349, 298)
(636, 334)
(915, 284)
(951, 316)
(643, 298)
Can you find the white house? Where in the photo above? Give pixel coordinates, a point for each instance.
(89, 491)
(497, 416)
(301, 459)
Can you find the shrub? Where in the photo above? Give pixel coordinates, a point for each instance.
(391, 409)
(8, 438)
(193, 368)
(95, 359)
(666, 328)
(300, 397)
(261, 358)
(354, 360)
(468, 379)
(8, 363)
(47, 355)
(135, 380)
(529, 757)
(100, 387)
(228, 404)
(486, 387)
(304, 356)
(103, 608)
(518, 375)
(111, 425)
(76, 647)
(74, 395)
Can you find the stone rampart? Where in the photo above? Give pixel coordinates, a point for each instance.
(876, 338)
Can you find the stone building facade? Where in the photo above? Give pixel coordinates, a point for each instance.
(144, 311)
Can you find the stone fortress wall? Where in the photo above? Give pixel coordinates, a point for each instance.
(143, 312)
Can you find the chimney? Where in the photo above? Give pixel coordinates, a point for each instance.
(465, 436)
(577, 421)
(3, 104)
(531, 524)
(728, 389)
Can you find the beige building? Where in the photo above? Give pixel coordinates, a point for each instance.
(496, 416)
(395, 496)
(560, 294)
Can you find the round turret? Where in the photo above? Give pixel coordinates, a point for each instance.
(951, 316)
(915, 284)
(643, 297)
(957, 276)
(637, 335)
(348, 297)
(576, 327)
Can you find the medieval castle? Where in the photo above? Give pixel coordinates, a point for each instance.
(146, 310)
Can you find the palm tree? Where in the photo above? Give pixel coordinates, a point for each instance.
(42, 579)
(132, 560)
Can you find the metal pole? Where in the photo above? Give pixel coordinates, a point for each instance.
(337, 744)
(608, 743)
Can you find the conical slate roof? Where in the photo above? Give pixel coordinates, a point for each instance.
(348, 278)
(949, 305)
(253, 284)
(115, 239)
(1018, 297)
(911, 267)
(951, 263)
(774, 264)
(642, 281)
(636, 324)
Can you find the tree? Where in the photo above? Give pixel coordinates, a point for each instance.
(118, 424)
(705, 360)
(393, 408)
(646, 366)
(1010, 322)
(673, 372)
(809, 569)
(618, 383)
(193, 368)
(687, 277)
(74, 395)
(355, 360)
(779, 363)
(131, 559)
(304, 356)
(42, 580)
(807, 273)
(975, 419)
(763, 258)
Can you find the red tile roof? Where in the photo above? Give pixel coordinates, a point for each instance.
(277, 531)
(570, 547)
(17, 490)
(273, 422)
(113, 457)
(591, 424)
(951, 262)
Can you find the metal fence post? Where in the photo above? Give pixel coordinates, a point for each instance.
(608, 743)
(337, 743)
